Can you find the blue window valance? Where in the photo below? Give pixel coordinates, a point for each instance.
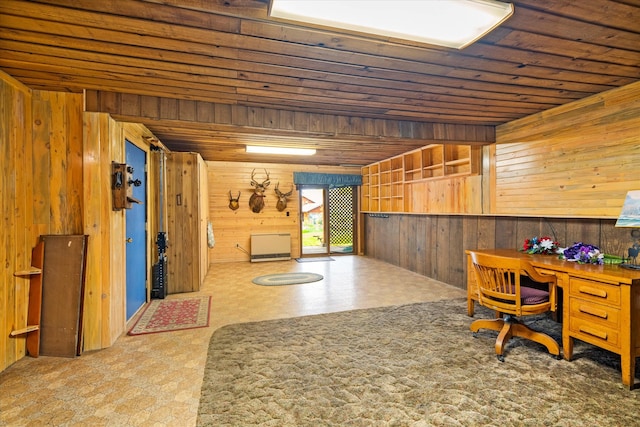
(331, 180)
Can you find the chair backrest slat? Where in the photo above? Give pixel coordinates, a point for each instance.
(498, 281)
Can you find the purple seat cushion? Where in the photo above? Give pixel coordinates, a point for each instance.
(532, 296)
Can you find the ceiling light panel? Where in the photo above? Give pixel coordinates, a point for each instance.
(260, 149)
(450, 23)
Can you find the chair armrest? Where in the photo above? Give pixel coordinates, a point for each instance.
(551, 279)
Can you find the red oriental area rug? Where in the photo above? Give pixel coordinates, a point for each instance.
(173, 315)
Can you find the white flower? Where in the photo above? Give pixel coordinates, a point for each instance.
(546, 244)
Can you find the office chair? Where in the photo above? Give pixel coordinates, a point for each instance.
(499, 288)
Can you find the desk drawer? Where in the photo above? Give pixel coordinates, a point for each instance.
(599, 292)
(598, 314)
(594, 333)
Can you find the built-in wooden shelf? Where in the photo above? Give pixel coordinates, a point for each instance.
(387, 185)
(34, 308)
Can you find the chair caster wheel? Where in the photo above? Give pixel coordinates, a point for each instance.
(474, 334)
(500, 357)
(557, 357)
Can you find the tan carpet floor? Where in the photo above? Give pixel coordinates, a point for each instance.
(155, 380)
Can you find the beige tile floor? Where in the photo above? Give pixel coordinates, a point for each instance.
(155, 380)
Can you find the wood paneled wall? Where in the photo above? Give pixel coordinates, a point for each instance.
(434, 245)
(56, 179)
(562, 173)
(359, 140)
(17, 233)
(576, 160)
(233, 228)
(105, 293)
(41, 145)
(187, 215)
(447, 195)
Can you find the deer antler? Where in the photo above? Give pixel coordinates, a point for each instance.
(255, 183)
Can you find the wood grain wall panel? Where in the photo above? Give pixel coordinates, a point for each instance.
(506, 232)
(440, 251)
(216, 129)
(451, 195)
(22, 231)
(586, 231)
(470, 232)
(390, 233)
(16, 233)
(431, 260)
(42, 188)
(578, 160)
(616, 240)
(106, 268)
(446, 237)
(235, 227)
(187, 214)
(408, 233)
(113, 280)
(423, 242)
(41, 129)
(98, 261)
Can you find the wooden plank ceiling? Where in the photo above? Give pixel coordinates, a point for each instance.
(213, 75)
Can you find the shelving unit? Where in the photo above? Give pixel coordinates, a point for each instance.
(397, 184)
(374, 177)
(413, 165)
(389, 185)
(385, 185)
(34, 307)
(458, 160)
(365, 189)
(432, 161)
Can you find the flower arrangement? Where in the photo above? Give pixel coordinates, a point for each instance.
(583, 254)
(544, 245)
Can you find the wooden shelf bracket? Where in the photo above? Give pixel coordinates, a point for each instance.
(32, 329)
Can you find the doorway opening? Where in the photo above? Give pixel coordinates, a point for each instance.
(328, 218)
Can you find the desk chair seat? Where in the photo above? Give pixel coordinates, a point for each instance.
(499, 289)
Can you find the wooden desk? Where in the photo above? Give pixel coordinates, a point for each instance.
(601, 304)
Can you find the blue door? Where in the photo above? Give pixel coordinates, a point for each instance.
(136, 232)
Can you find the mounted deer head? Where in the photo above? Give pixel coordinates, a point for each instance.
(234, 203)
(282, 198)
(256, 201)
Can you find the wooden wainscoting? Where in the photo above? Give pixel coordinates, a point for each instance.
(434, 245)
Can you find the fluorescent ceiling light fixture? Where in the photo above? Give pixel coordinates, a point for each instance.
(450, 23)
(280, 150)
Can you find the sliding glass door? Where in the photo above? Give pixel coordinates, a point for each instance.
(313, 222)
(327, 220)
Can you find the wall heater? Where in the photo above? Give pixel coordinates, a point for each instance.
(270, 247)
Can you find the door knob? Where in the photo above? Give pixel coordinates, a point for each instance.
(129, 240)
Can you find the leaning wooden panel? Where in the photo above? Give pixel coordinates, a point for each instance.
(63, 279)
